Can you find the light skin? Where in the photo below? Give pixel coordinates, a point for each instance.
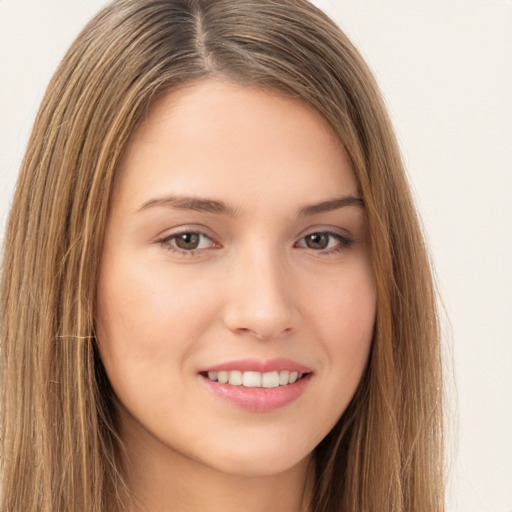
(236, 232)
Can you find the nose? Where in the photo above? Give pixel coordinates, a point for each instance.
(261, 300)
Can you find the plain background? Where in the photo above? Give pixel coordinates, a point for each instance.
(445, 68)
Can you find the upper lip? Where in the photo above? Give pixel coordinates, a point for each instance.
(260, 365)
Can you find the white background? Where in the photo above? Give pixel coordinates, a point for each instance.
(445, 67)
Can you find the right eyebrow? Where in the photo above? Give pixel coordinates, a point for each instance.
(190, 203)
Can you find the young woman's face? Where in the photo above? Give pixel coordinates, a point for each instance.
(235, 251)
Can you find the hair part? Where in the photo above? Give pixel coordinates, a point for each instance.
(60, 450)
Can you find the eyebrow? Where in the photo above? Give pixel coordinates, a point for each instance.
(221, 208)
(331, 204)
(191, 203)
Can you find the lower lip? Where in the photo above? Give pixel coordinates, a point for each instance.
(259, 399)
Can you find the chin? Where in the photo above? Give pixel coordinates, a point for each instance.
(261, 466)
(260, 457)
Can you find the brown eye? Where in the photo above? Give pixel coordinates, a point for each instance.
(187, 241)
(318, 241)
(325, 242)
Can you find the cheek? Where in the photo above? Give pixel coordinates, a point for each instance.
(134, 297)
(344, 319)
(345, 309)
(143, 323)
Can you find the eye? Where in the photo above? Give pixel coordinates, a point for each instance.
(187, 242)
(324, 241)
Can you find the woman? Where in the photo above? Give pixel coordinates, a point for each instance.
(215, 290)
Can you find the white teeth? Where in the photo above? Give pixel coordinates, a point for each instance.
(252, 379)
(270, 380)
(255, 379)
(235, 378)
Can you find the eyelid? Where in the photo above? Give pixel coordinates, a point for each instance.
(185, 228)
(330, 230)
(345, 239)
(165, 239)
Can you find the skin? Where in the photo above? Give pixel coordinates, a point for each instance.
(257, 286)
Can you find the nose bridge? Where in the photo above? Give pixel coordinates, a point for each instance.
(261, 302)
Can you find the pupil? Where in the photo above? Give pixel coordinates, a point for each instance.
(317, 241)
(188, 241)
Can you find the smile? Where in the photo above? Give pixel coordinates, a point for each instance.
(258, 386)
(250, 379)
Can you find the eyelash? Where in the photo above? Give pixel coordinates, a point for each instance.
(344, 242)
(167, 243)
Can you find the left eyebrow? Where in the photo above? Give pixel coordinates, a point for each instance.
(332, 204)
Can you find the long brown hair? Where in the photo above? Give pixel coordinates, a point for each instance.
(59, 444)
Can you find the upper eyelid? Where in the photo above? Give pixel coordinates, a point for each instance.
(207, 232)
(332, 230)
(170, 232)
(172, 236)
(343, 238)
(325, 232)
(166, 242)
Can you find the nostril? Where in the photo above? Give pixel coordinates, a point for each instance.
(259, 335)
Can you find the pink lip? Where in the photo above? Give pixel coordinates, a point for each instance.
(259, 399)
(256, 365)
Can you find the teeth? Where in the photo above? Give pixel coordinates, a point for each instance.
(270, 380)
(222, 377)
(252, 379)
(255, 379)
(235, 378)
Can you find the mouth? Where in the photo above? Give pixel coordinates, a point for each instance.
(258, 386)
(252, 379)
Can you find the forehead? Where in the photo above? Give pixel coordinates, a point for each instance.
(216, 138)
